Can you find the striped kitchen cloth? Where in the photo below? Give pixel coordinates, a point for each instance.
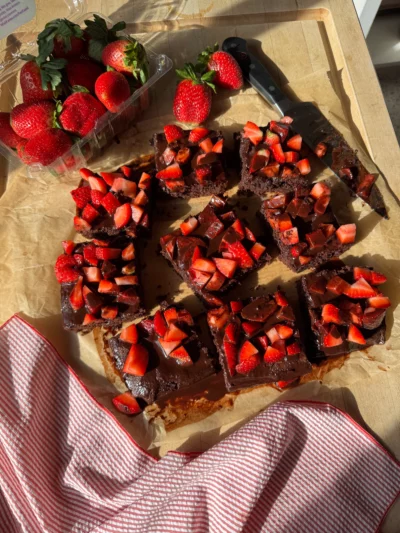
(66, 465)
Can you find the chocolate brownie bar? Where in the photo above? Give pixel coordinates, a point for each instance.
(114, 203)
(271, 159)
(161, 354)
(99, 283)
(213, 250)
(346, 309)
(258, 341)
(190, 163)
(305, 228)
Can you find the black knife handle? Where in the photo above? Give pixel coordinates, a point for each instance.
(257, 74)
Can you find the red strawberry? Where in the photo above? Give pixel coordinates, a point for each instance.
(338, 285)
(216, 281)
(239, 229)
(286, 120)
(284, 222)
(284, 332)
(192, 101)
(130, 334)
(80, 113)
(136, 361)
(108, 287)
(346, 233)
(227, 267)
(320, 189)
(280, 299)
(281, 129)
(206, 145)
(81, 225)
(168, 346)
(217, 318)
(81, 196)
(173, 132)
(320, 149)
(112, 89)
(145, 181)
(98, 184)
(67, 39)
(248, 365)
(293, 349)
(257, 162)
(183, 156)
(109, 177)
(93, 301)
(83, 73)
(290, 236)
(231, 356)
(273, 335)
(185, 316)
(141, 198)
(355, 335)
(328, 229)
(76, 296)
(362, 273)
(331, 314)
(89, 254)
(128, 253)
(197, 134)
(271, 170)
(316, 238)
(107, 253)
(126, 403)
(7, 134)
(110, 203)
(240, 254)
(174, 333)
(228, 73)
(189, 225)
(204, 265)
(47, 145)
(304, 260)
(379, 302)
(127, 56)
(277, 152)
(92, 274)
(252, 131)
(96, 197)
(199, 278)
(172, 172)
(126, 187)
(27, 120)
(171, 315)
(86, 173)
(31, 80)
(332, 338)
(68, 246)
(257, 250)
(137, 213)
(272, 355)
(236, 306)
(182, 356)
(88, 319)
(89, 213)
(21, 151)
(272, 139)
(304, 166)
(250, 328)
(231, 332)
(247, 350)
(160, 326)
(295, 142)
(127, 280)
(372, 318)
(321, 204)
(122, 215)
(377, 278)
(218, 146)
(203, 172)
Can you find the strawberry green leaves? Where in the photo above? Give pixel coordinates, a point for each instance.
(101, 35)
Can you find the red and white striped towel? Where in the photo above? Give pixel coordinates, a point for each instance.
(66, 465)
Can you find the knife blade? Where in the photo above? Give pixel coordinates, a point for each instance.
(312, 125)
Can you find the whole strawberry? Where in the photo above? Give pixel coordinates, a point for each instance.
(127, 56)
(80, 113)
(29, 119)
(228, 73)
(61, 38)
(40, 79)
(193, 95)
(83, 73)
(7, 134)
(47, 146)
(112, 89)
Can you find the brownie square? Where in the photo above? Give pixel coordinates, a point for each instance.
(346, 309)
(190, 163)
(114, 203)
(271, 159)
(305, 227)
(213, 250)
(100, 285)
(162, 354)
(258, 341)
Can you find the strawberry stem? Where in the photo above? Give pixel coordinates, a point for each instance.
(197, 75)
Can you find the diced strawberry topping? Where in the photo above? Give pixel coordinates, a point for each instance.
(206, 145)
(174, 333)
(273, 335)
(183, 155)
(108, 253)
(197, 134)
(318, 286)
(257, 250)
(89, 213)
(227, 267)
(203, 172)
(257, 162)
(250, 328)
(337, 285)
(196, 254)
(377, 278)
(189, 225)
(173, 132)
(173, 172)
(96, 197)
(321, 204)
(272, 355)
(108, 287)
(271, 139)
(145, 181)
(185, 316)
(346, 233)
(249, 234)
(332, 338)
(320, 149)
(263, 341)
(236, 306)
(160, 326)
(252, 131)
(90, 255)
(86, 173)
(199, 278)
(331, 314)
(328, 229)
(136, 361)
(126, 403)
(76, 296)
(283, 384)
(277, 152)
(290, 236)
(126, 171)
(218, 146)
(291, 157)
(182, 356)
(168, 155)
(109, 177)
(360, 289)
(204, 265)
(130, 334)
(230, 354)
(171, 315)
(88, 319)
(379, 302)
(109, 312)
(248, 365)
(281, 129)
(238, 227)
(316, 238)
(280, 299)
(93, 301)
(286, 120)
(304, 259)
(128, 253)
(362, 273)
(126, 187)
(110, 203)
(168, 346)
(68, 246)
(284, 331)
(247, 350)
(355, 335)
(304, 166)
(98, 184)
(295, 142)
(217, 318)
(240, 254)
(293, 349)
(271, 170)
(372, 318)
(127, 280)
(81, 196)
(92, 274)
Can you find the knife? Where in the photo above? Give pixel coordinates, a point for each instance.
(312, 125)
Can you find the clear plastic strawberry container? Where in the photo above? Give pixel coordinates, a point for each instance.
(23, 41)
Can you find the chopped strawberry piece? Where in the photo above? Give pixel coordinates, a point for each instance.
(286, 120)
(346, 233)
(170, 247)
(239, 228)
(128, 253)
(377, 278)
(231, 356)
(286, 172)
(196, 254)
(379, 302)
(204, 265)
(257, 250)
(90, 255)
(171, 315)
(110, 203)
(362, 273)
(280, 299)
(173, 172)
(129, 269)
(360, 289)
(263, 341)
(174, 333)
(272, 355)
(168, 346)
(328, 229)
(218, 146)
(337, 285)
(304, 166)
(69, 247)
(160, 326)
(284, 222)
(130, 334)
(355, 335)
(137, 213)
(206, 145)
(93, 302)
(295, 142)
(271, 139)
(293, 349)
(227, 267)
(320, 149)
(183, 155)
(122, 215)
(88, 319)
(189, 225)
(109, 312)
(373, 318)
(168, 155)
(273, 335)
(331, 314)
(281, 129)
(277, 152)
(89, 213)
(127, 280)
(364, 187)
(248, 365)
(185, 316)
(108, 287)
(284, 332)
(318, 286)
(320, 189)
(249, 234)
(136, 361)
(236, 306)
(109, 177)
(126, 171)
(145, 181)
(108, 253)
(297, 249)
(96, 197)
(316, 238)
(332, 338)
(321, 204)
(81, 196)
(124, 186)
(173, 132)
(231, 332)
(199, 278)
(217, 318)
(98, 184)
(126, 403)
(203, 172)
(79, 259)
(240, 254)
(283, 384)
(257, 161)
(250, 328)
(197, 134)
(76, 296)
(247, 350)
(182, 356)
(86, 173)
(291, 157)
(304, 259)
(252, 131)
(92, 274)
(271, 170)
(290, 236)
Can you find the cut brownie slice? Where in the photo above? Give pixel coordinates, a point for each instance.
(190, 163)
(305, 228)
(99, 283)
(258, 341)
(114, 203)
(213, 250)
(346, 309)
(162, 354)
(271, 159)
